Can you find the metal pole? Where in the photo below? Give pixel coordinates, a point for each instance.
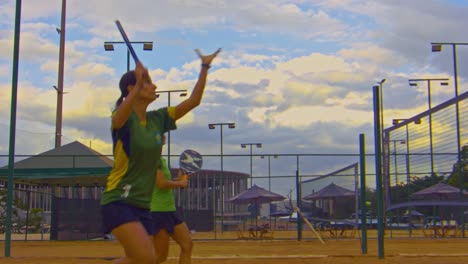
(408, 177)
(269, 174)
(430, 126)
(169, 135)
(58, 124)
(221, 187)
(11, 153)
(457, 106)
(269, 188)
(395, 162)
(251, 176)
(168, 144)
(298, 200)
(381, 109)
(214, 205)
(362, 151)
(378, 171)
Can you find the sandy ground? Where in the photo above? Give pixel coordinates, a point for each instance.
(234, 251)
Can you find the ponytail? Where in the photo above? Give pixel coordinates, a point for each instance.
(119, 101)
(129, 78)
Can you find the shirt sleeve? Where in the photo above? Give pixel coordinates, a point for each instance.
(164, 116)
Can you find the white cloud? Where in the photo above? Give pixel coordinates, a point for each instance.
(88, 70)
(289, 69)
(304, 116)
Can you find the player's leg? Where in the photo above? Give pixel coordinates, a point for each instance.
(131, 226)
(136, 242)
(161, 245)
(182, 236)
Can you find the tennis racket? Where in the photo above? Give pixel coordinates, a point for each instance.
(190, 161)
(127, 41)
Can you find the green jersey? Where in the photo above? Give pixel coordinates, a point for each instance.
(163, 199)
(137, 152)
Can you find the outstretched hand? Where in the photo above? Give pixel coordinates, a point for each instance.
(207, 59)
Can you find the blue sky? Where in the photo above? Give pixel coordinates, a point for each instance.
(295, 75)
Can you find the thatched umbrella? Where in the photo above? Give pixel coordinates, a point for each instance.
(256, 195)
(330, 192)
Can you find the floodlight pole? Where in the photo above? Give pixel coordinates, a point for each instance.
(414, 82)
(108, 46)
(169, 92)
(378, 170)
(298, 199)
(362, 155)
(11, 152)
(394, 141)
(221, 188)
(244, 145)
(58, 122)
(269, 169)
(437, 47)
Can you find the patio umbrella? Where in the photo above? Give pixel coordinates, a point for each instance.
(256, 195)
(439, 191)
(330, 192)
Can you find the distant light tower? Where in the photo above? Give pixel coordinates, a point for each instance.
(61, 32)
(109, 46)
(213, 126)
(437, 47)
(442, 82)
(182, 93)
(244, 145)
(394, 141)
(408, 164)
(269, 168)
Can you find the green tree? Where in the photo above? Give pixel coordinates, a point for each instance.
(460, 166)
(35, 220)
(14, 212)
(35, 216)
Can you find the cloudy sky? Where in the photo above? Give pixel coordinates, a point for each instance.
(294, 75)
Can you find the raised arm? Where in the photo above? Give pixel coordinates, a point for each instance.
(123, 111)
(197, 93)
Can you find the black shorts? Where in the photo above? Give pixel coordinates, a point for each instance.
(118, 213)
(165, 220)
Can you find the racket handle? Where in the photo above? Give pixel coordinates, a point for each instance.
(127, 41)
(183, 177)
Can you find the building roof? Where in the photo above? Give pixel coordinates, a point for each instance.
(76, 164)
(70, 164)
(72, 155)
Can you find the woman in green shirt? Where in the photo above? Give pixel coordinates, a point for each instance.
(166, 222)
(137, 142)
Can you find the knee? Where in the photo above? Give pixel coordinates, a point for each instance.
(187, 246)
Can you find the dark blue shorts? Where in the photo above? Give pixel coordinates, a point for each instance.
(118, 213)
(165, 220)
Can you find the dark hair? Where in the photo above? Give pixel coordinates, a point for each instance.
(127, 79)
